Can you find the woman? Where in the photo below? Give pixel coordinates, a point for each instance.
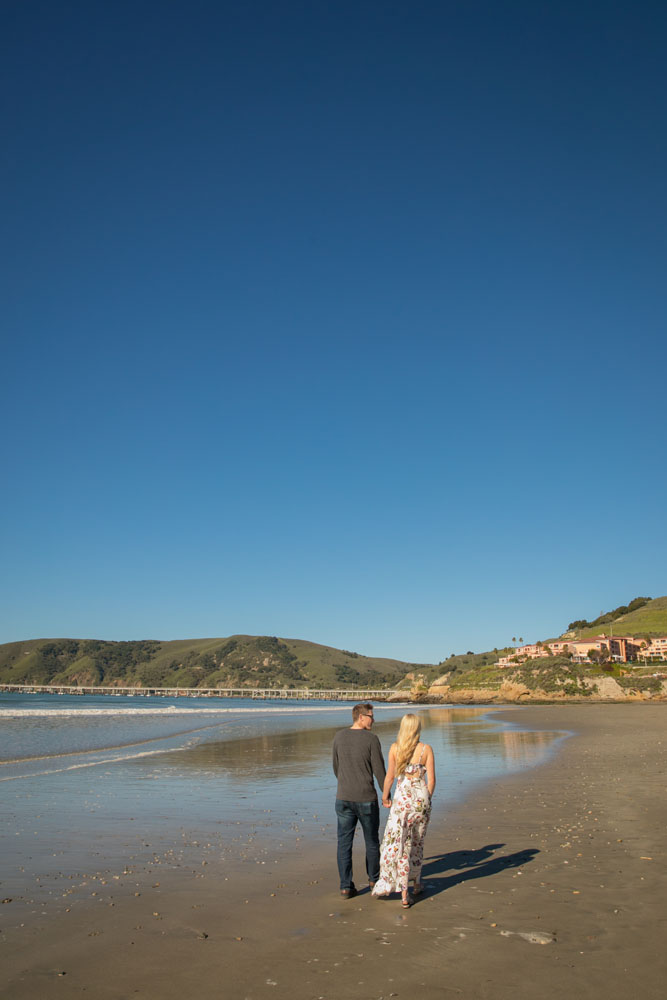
(412, 763)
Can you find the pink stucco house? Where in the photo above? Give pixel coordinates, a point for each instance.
(622, 649)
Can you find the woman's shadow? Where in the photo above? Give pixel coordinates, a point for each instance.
(470, 864)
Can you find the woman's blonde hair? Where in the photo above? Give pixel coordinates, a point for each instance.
(407, 740)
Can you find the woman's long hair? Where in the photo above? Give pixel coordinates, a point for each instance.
(407, 740)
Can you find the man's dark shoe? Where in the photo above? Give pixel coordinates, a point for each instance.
(348, 893)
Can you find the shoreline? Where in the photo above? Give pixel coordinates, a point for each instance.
(551, 874)
(128, 820)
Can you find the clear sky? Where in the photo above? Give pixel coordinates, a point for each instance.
(335, 321)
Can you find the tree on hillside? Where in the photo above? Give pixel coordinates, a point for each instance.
(598, 655)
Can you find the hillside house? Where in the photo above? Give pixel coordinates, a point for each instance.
(622, 649)
(656, 648)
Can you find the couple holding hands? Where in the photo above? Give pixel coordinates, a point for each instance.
(357, 759)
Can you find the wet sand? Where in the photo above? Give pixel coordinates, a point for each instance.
(546, 883)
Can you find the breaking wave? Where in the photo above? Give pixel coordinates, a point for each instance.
(16, 713)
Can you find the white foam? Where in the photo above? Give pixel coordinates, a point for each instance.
(90, 763)
(57, 713)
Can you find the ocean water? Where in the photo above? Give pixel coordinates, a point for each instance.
(102, 782)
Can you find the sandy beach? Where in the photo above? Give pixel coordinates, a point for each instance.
(546, 883)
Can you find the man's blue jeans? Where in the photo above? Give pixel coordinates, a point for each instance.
(368, 814)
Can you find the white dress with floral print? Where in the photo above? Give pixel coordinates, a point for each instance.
(402, 849)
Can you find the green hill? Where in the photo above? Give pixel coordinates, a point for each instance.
(460, 665)
(267, 661)
(236, 661)
(648, 619)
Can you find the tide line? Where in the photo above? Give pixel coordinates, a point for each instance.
(91, 763)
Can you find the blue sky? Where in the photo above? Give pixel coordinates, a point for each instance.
(343, 322)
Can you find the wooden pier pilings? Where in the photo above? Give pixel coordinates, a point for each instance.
(263, 694)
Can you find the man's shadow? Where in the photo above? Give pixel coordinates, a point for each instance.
(470, 864)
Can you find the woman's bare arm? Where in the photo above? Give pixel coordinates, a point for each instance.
(430, 771)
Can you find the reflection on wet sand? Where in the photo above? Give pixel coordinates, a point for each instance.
(526, 748)
(260, 758)
(468, 729)
(456, 734)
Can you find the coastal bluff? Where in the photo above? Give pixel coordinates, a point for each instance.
(510, 692)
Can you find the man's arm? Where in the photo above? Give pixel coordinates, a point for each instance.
(335, 759)
(377, 762)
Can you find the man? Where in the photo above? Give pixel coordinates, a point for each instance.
(357, 756)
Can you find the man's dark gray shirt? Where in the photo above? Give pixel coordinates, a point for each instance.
(357, 756)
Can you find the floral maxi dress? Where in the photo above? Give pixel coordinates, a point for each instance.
(402, 848)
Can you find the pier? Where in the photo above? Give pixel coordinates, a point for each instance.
(259, 694)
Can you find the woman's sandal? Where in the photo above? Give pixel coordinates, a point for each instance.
(406, 903)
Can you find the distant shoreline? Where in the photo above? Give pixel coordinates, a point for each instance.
(608, 692)
(260, 694)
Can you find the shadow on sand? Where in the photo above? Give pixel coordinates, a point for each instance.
(470, 864)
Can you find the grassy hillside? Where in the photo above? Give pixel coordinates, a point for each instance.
(553, 675)
(650, 619)
(266, 661)
(236, 661)
(459, 665)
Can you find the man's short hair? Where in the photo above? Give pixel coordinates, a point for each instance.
(363, 708)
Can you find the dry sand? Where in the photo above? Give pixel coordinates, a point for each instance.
(549, 883)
